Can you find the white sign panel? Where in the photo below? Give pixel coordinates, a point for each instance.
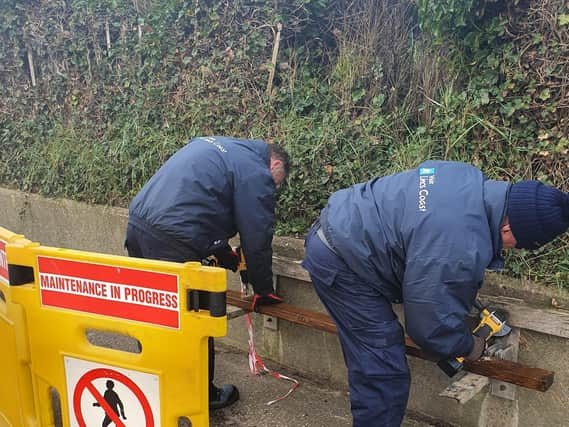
(3, 262)
(101, 395)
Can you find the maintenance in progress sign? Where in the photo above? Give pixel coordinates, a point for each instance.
(115, 291)
(99, 395)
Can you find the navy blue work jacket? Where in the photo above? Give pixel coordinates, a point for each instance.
(423, 237)
(209, 190)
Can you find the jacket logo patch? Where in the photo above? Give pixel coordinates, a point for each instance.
(426, 171)
(426, 178)
(213, 142)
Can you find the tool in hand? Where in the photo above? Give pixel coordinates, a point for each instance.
(227, 257)
(234, 259)
(258, 300)
(492, 324)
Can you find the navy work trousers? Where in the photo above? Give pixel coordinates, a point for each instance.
(372, 338)
(141, 243)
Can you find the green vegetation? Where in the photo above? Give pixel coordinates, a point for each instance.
(360, 89)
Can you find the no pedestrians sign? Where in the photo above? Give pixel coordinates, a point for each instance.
(101, 395)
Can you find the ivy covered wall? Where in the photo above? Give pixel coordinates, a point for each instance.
(96, 94)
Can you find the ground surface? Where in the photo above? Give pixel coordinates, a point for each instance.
(311, 405)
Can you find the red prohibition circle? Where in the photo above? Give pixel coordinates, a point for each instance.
(86, 381)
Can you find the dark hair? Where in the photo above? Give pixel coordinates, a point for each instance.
(279, 153)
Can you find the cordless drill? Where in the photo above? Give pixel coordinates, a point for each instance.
(241, 267)
(491, 325)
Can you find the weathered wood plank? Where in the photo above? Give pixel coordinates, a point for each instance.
(548, 321)
(465, 388)
(503, 370)
(288, 312)
(512, 372)
(545, 320)
(287, 267)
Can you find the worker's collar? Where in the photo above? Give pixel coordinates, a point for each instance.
(495, 194)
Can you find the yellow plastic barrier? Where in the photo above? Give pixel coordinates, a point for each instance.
(16, 390)
(169, 308)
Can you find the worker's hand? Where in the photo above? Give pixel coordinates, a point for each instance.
(268, 299)
(477, 349)
(228, 259)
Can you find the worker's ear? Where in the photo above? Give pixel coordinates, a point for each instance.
(275, 163)
(508, 238)
(277, 171)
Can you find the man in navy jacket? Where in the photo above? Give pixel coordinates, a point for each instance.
(211, 189)
(423, 238)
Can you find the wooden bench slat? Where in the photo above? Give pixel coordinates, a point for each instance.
(502, 370)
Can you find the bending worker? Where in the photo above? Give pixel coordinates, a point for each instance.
(422, 238)
(203, 195)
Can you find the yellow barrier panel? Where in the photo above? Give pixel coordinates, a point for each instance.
(16, 390)
(160, 304)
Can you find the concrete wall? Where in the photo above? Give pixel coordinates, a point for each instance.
(63, 223)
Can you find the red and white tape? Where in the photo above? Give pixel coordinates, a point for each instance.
(256, 365)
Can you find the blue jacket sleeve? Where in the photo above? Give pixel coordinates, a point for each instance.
(254, 216)
(438, 294)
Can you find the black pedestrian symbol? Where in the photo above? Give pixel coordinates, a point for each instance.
(114, 401)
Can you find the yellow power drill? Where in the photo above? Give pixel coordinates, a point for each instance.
(492, 324)
(213, 261)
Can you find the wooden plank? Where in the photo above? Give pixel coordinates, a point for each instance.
(503, 370)
(512, 372)
(290, 268)
(465, 388)
(288, 312)
(548, 321)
